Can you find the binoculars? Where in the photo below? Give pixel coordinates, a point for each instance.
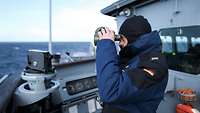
(96, 36)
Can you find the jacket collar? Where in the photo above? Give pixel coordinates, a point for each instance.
(147, 42)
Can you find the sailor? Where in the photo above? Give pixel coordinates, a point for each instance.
(135, 80)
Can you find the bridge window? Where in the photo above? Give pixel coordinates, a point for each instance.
(182, 43)
(195, 41)
(166, 44)
(181, 46)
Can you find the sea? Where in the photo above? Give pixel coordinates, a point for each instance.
(13, 55)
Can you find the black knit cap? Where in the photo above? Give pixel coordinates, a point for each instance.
(134, 27)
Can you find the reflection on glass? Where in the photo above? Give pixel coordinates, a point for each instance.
(81, 85)
(166, 44)
(71, 88)
(182, 43)
(195, 41)
(87, 83)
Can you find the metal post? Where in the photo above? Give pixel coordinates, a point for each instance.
(50, 29)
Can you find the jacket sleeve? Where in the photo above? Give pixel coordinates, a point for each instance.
(114, 84)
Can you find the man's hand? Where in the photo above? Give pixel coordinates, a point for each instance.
(106, 34)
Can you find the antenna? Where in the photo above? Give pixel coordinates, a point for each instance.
(50, 27)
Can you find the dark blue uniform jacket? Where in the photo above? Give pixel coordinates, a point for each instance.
(132, 89)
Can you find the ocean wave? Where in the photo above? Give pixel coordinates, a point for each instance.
(13, 56)
(16, 48)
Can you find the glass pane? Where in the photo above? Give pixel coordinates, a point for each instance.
(195, 41)
(166, 44)
(182, 43)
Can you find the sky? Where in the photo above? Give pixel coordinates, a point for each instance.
(72, 20)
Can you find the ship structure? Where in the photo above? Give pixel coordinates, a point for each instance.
(71, 87)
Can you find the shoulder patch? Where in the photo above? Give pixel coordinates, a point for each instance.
(154, 61)
(149, 71)
(140, 78)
